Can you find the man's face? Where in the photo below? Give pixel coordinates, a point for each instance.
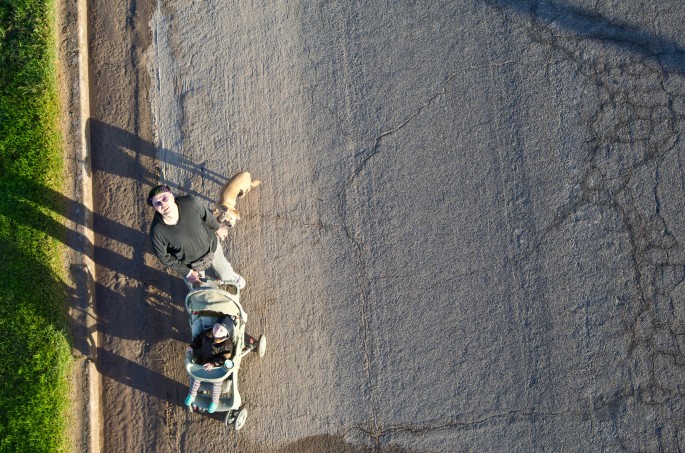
(163, 202)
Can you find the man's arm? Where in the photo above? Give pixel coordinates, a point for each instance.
(207, 217)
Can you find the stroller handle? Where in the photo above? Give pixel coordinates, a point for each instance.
(215, 283)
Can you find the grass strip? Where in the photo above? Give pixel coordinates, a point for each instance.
(34, 345)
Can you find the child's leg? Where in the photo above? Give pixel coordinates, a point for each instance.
(216, 392)
(194, 386)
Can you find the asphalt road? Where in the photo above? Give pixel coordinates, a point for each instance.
(466, 238)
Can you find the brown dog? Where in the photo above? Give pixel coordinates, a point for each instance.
(236, 187)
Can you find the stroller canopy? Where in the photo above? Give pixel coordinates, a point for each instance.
(213, 300)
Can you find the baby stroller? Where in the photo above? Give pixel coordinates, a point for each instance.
(205, 305)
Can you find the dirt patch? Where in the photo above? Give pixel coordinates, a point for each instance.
(80, 422)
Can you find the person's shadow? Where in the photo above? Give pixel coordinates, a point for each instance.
(123, 312)
(144, 301)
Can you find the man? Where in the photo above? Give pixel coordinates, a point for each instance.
(184, 237)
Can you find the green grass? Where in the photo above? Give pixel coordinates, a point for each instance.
(34, 346)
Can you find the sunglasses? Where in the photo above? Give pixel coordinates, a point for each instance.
(161, 201)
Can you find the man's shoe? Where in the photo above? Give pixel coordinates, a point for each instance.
(189, 399)
(212, 407)
(240, 281)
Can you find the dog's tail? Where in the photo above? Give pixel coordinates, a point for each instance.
(255, 183)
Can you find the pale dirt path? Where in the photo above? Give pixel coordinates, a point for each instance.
(133, 298)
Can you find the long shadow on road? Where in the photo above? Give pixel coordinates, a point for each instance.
(120, 152)
(583, 23)
(134, 300)
(139, 377)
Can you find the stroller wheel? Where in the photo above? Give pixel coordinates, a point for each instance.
(261, 348)
(240, 418)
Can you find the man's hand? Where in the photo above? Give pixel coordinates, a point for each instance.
(194, 277)
(222, 232)
(208, 366)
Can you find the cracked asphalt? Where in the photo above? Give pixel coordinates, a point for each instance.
(466, 238)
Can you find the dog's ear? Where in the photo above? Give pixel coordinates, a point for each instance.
(219, 213)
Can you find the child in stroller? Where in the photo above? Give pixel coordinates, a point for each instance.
(212, 302)
(212, 348)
